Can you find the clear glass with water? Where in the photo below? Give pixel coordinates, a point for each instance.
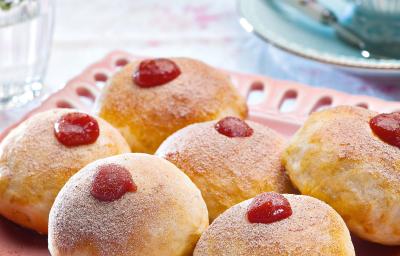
(26, 28)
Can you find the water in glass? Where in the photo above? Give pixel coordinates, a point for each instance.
(25, 38)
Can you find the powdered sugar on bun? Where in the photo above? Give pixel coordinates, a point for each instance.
(314, 228)
(337, 158)
(228, 170)
(164, 216)
(146, 116)
(34, 166)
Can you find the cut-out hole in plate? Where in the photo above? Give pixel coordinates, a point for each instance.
(362, 105)
(288, 102)
(64, 104)
(256, 94)
(322, 103)
(86, 101)
(121, 62)
(234, 81)
(85, 92)
(100, 79)
(85, 96)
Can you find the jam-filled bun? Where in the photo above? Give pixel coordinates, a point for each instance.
(148, 100)
(230, 160)
(42, 153)
(338, 157)
(127, 205)
(274, 224)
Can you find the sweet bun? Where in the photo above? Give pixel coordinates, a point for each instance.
(226, 169)
(164, 214)
(313, 228)
(34, 165)
(337, 158)
(147, 115)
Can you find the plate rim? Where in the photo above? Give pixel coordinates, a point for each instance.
(323, 57)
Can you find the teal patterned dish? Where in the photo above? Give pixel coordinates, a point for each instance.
(386, 7)
(286, 28)
(377, 22)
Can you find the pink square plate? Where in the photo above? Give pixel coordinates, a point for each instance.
(281, 105)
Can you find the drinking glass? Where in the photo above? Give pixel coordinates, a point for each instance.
(26, 28)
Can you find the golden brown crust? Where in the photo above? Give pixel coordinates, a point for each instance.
(34, 166)
(146, 116)
(228, 170)
(336, 157)
(165, 216)
(314, 228)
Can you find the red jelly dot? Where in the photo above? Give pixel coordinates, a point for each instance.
(268, 207)
(387, 127)
(233, 127)
(111, 182)
(75, 129)
(155, 72)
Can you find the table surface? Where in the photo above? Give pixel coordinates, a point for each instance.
(205, 29)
